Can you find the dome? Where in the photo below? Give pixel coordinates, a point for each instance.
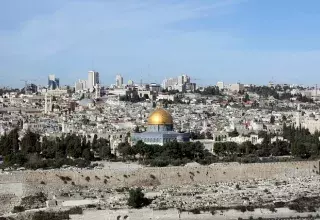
(160, 117)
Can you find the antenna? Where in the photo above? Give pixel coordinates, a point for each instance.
(149, 72)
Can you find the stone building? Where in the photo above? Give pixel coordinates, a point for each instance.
(160, 130)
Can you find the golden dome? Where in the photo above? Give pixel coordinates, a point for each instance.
(160, 117)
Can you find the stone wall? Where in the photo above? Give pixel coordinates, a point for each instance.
(23, 183)
(167, 176)
(18, 184)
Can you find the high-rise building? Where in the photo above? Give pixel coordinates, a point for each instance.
(155, 87)
(93, 79)
(53, 82)
(176, 83)
(81, 85)
(185, 79)
(236, 87)
(220, 85)
(119, 81)
(180, 80)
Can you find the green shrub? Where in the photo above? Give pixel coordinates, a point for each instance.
(152, 176)
(136, 199)
(17, 209)
(41, 215)
(196, 211)
(272, 209)
(75, 211)
(250, 208)
(35, 201)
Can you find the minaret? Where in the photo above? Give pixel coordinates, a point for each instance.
(204, 125)
(50, 104)
(46, 103)
(298, 116)
(97, 91)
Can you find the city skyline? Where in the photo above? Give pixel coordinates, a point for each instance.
(230, 41)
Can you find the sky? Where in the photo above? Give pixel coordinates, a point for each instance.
(247, 41)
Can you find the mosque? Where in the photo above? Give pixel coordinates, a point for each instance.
(160, 130)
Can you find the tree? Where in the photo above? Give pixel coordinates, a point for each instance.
(146, 96)
(87, 154)
(95, 140)
(9, 143)
(136, 129)
(30, 142)
(13, 140)
(136, 199)
(48, 148)
(209, 135)
(104, 148)
(17, 158)
(246, 98)
(210, 90)
(284, 118)
(272, 119)
(125, 150)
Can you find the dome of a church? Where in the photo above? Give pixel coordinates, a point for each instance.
(160, 117)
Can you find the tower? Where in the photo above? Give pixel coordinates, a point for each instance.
(53, 82)
(298, 116)
(97, 87)
(46, 103)
(119, 81)
(93, 79)
(50, 105)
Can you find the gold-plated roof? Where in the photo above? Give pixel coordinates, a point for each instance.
(160, 117)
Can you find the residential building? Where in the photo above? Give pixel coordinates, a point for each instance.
(119, 81)
(53, 82)
(220, 85)
(80, 85)
(93, 79)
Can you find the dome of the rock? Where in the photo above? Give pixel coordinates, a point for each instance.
(160, 117)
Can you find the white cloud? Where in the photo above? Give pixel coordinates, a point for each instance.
(81, 22)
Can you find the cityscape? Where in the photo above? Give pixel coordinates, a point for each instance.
(115, 124)
(219, 127)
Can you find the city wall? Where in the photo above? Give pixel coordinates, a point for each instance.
(167, 176)
(17, 184)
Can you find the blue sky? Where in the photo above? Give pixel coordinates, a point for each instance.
(251, 41)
